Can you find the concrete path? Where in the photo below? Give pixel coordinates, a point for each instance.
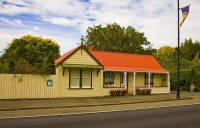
(26, 104)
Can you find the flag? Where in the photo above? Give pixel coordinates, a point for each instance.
(185, 12)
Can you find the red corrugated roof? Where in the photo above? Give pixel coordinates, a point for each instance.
(127, 62)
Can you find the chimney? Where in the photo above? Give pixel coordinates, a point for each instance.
(91, 49)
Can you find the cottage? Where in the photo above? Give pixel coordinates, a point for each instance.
(88, 73)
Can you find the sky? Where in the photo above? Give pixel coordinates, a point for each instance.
(65, 21)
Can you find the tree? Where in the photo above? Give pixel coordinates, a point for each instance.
(196, 62)
(188, 50)
(196, 47)
(115, 38)
(167, 56)
(30, 54)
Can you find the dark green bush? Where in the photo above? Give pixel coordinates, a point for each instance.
(187, 77)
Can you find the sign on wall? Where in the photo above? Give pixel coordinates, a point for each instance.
(49, 82)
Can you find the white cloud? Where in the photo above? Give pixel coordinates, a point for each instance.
(61, 21)
(14, 7)
(11, 22)
(36, 28)
(66, 20)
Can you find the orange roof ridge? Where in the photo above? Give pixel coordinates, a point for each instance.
(121, 53)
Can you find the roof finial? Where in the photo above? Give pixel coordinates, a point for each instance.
(82, 39)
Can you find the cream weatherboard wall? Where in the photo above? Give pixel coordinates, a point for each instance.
(139, 78)
(65, 91)
(20, 86)
(157, 80)
(80, 58)
(130, 82)
(139, 81)
(117, 79)
(160, 86)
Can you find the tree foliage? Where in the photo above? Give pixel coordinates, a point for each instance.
(189, 49)
(190, 54)
(30, 54)
(167, 56)
(189, 70)
(115, 38)
(186, 78)
(196, 63)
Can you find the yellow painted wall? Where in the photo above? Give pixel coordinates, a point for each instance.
(63, 83)
(80, 58)
(117, 79)
(164, 80)
(157, 80)
(139, 79)
(27, 86)
(130, 82)
(65, 91)
(139, 82)
(159, 85)
(160, 90)
(157, 90)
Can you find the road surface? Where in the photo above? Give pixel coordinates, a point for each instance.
(167, 117)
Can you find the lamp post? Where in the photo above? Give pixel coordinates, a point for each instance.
(178, 83)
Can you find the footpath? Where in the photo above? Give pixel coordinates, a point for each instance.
(27, 104)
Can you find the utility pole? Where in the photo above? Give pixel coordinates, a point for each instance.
(178, 82)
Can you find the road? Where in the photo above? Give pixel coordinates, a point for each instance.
(173, 117)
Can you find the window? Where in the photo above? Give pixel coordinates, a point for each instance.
(146, 75)
(86, 78)
(109, 78)
(80, 78)
(74, 78)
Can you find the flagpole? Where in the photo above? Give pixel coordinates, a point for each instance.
(178, 83)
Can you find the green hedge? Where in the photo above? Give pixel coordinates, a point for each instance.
(186, 78)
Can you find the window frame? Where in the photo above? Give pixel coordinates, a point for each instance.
(111, 75)
(146, 79)
(80, 83)
(86, 77)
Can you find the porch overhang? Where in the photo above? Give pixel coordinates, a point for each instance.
(134, 69)
(81, 66)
